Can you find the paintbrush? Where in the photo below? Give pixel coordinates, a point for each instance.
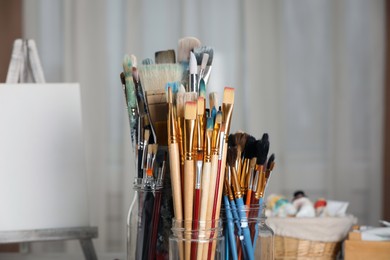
(142, 107)
(199, 146)
(205, 183)
(227, 111)
(157, 201)
(174, 164)
(215, 141)
(167, 56)
(131, 101)
(230, 222)
(189, 171)
(154, 79)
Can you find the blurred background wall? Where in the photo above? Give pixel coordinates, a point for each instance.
(309, 73)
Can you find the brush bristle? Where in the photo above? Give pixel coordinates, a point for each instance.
(231, 140)
(180, 104)
(190, 96)
(147, 61)
(218, 118)
(162, 57)
(185, 46)
(231, 156)
(200, 106)
(193, 67)
(190, 110)
(270, 161)
(240, 139)
(205, 59)
(123, 79)
(262, 148)
(228, 95)
(201, 51)
(133, 60)
(157, 75)
(210, 123)
(214, 113)
(182, 89)
(202, 89)
(250, 147)
(127, 65)
(213, 98)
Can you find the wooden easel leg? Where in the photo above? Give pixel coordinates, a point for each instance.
(88, 249)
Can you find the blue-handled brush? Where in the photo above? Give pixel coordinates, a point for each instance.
(231, 159)
(230, 225)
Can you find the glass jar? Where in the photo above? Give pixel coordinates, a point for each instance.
(203, 243)
(248, 235)
(265, 238)
(149, 221)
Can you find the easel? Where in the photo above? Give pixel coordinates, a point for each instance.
(24, 63)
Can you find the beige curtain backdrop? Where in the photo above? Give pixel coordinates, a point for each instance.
(310, 73)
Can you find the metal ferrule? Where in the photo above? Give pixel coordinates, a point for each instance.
(193, 83)
(260, 183)
(180, 126)
(200, 133)
(171, 125)
(207, 150)
(189, 129)
(235, 184)
(215, 139)
(206, 74)
(227, 111)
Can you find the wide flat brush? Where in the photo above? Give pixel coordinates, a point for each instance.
(167, 56)
(189, 172)
(227, 112)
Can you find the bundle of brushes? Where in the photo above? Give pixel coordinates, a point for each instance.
(248, 173)
(167, 109)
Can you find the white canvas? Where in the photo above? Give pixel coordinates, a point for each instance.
(43, 183)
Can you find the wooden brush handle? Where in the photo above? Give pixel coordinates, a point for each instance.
(210, 200)
(174, 165)
(203, 204)
(189, 182)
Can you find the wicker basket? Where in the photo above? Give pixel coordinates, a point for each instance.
(309, 238)
(293, 248)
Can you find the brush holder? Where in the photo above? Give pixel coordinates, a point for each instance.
(149, 221)
(202, 242)
(247, 236)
